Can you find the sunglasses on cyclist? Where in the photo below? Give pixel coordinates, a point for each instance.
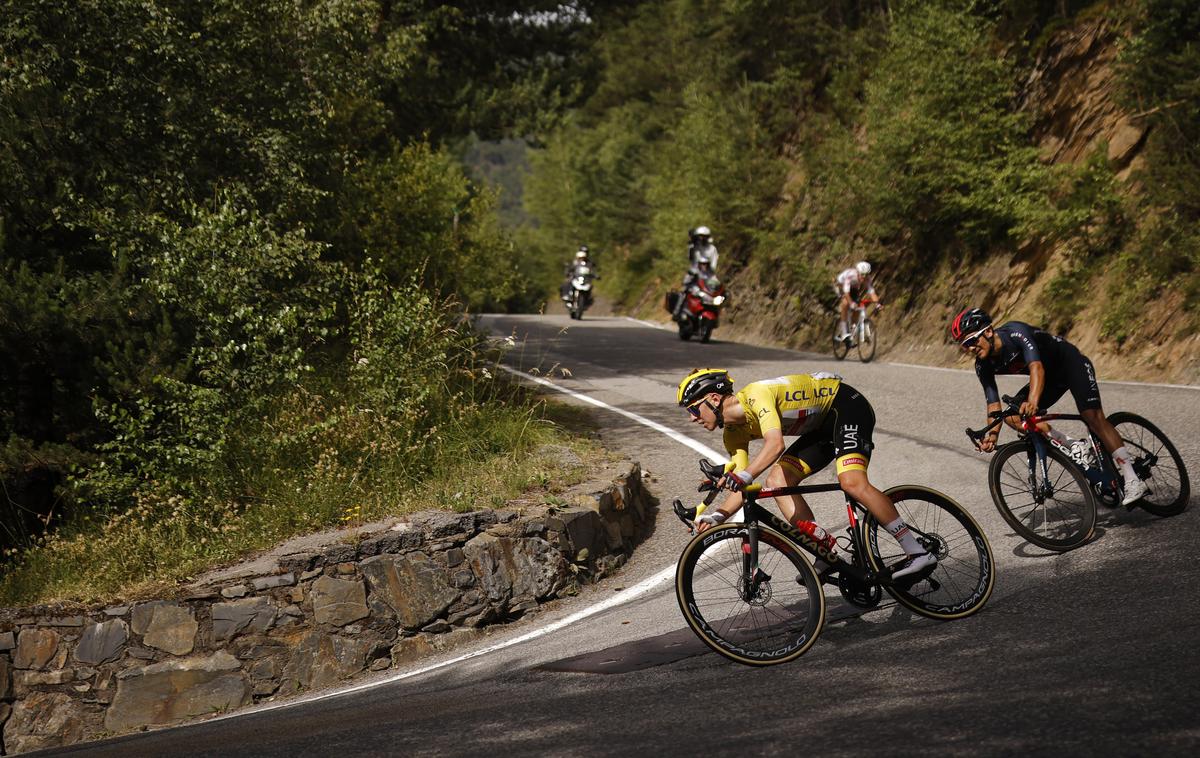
(968, 342)
(694, 408)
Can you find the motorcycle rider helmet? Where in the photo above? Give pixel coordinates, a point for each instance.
(703, 381)
(969, 324)
(863, 268)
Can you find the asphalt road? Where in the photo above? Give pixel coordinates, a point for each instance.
(1089, 652)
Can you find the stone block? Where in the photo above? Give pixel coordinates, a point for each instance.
(297, 563)
(584, 529)
(411, 649)
(335, 554)
(234, 592)
(35, 648)
(26, 679)
(321, 659)
(270, 582)
(65, 621)
(252, 614)
(5, 678)
(413, 586)
(102, 642)
(439, 525)
(176, 690)
(8, 641)
(339, 601)
(505, 568)
(142, 614)
(391, 542)
(43, 720)
(172, 629)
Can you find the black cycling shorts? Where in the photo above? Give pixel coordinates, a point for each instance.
(1075, 374)
(844, 435)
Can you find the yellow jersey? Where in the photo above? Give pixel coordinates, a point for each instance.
(795, 404)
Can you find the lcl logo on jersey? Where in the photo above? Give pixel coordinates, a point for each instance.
(800, 396)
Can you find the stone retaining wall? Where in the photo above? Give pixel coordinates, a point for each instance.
(71, 674)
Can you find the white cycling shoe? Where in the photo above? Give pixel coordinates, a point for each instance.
(1134, 490)
(914, 563)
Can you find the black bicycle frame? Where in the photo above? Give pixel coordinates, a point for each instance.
(1102, 474)
(754, 513)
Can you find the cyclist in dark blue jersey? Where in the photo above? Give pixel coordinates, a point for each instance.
(1055, 367)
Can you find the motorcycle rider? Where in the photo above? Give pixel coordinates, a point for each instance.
(581, 258)
(701, 250)
(700, 247)
(701, 272)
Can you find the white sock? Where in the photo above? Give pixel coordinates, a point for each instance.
(1122, 458)
(908, 541)
(842, 327)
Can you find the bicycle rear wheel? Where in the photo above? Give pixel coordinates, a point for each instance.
(962, 581)
(1156, 462)
(774, 619)
(866, 341)
(1055, 509)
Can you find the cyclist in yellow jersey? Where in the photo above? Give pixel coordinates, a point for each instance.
(833, 422)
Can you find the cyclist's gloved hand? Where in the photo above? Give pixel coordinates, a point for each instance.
(715, 518)
(736, 480)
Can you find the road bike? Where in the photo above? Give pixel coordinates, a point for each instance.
(1047, 492)
(749, 591)
(863, 334)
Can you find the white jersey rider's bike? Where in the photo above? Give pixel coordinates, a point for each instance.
(863, 334)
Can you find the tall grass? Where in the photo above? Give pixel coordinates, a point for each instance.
(355, 467)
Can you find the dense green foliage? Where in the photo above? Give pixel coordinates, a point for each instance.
(808, 134)
(234, 250)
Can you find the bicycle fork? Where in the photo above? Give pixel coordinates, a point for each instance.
(753, 577)
(1044, 490)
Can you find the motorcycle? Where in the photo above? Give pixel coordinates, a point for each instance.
(701, 308)
(580, 297)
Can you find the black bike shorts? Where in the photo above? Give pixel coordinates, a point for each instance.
(844, 436)
(1075, 374)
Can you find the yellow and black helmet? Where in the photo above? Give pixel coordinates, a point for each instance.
(703, 381)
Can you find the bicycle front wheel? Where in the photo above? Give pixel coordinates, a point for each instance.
(757, 618)
(965, 573)
(866, 341)
(1156, 462)
(1053, 508)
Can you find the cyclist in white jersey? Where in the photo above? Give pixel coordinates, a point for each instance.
(853, 285)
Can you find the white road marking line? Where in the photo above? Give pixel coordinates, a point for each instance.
(650, 324)
(680, 438)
